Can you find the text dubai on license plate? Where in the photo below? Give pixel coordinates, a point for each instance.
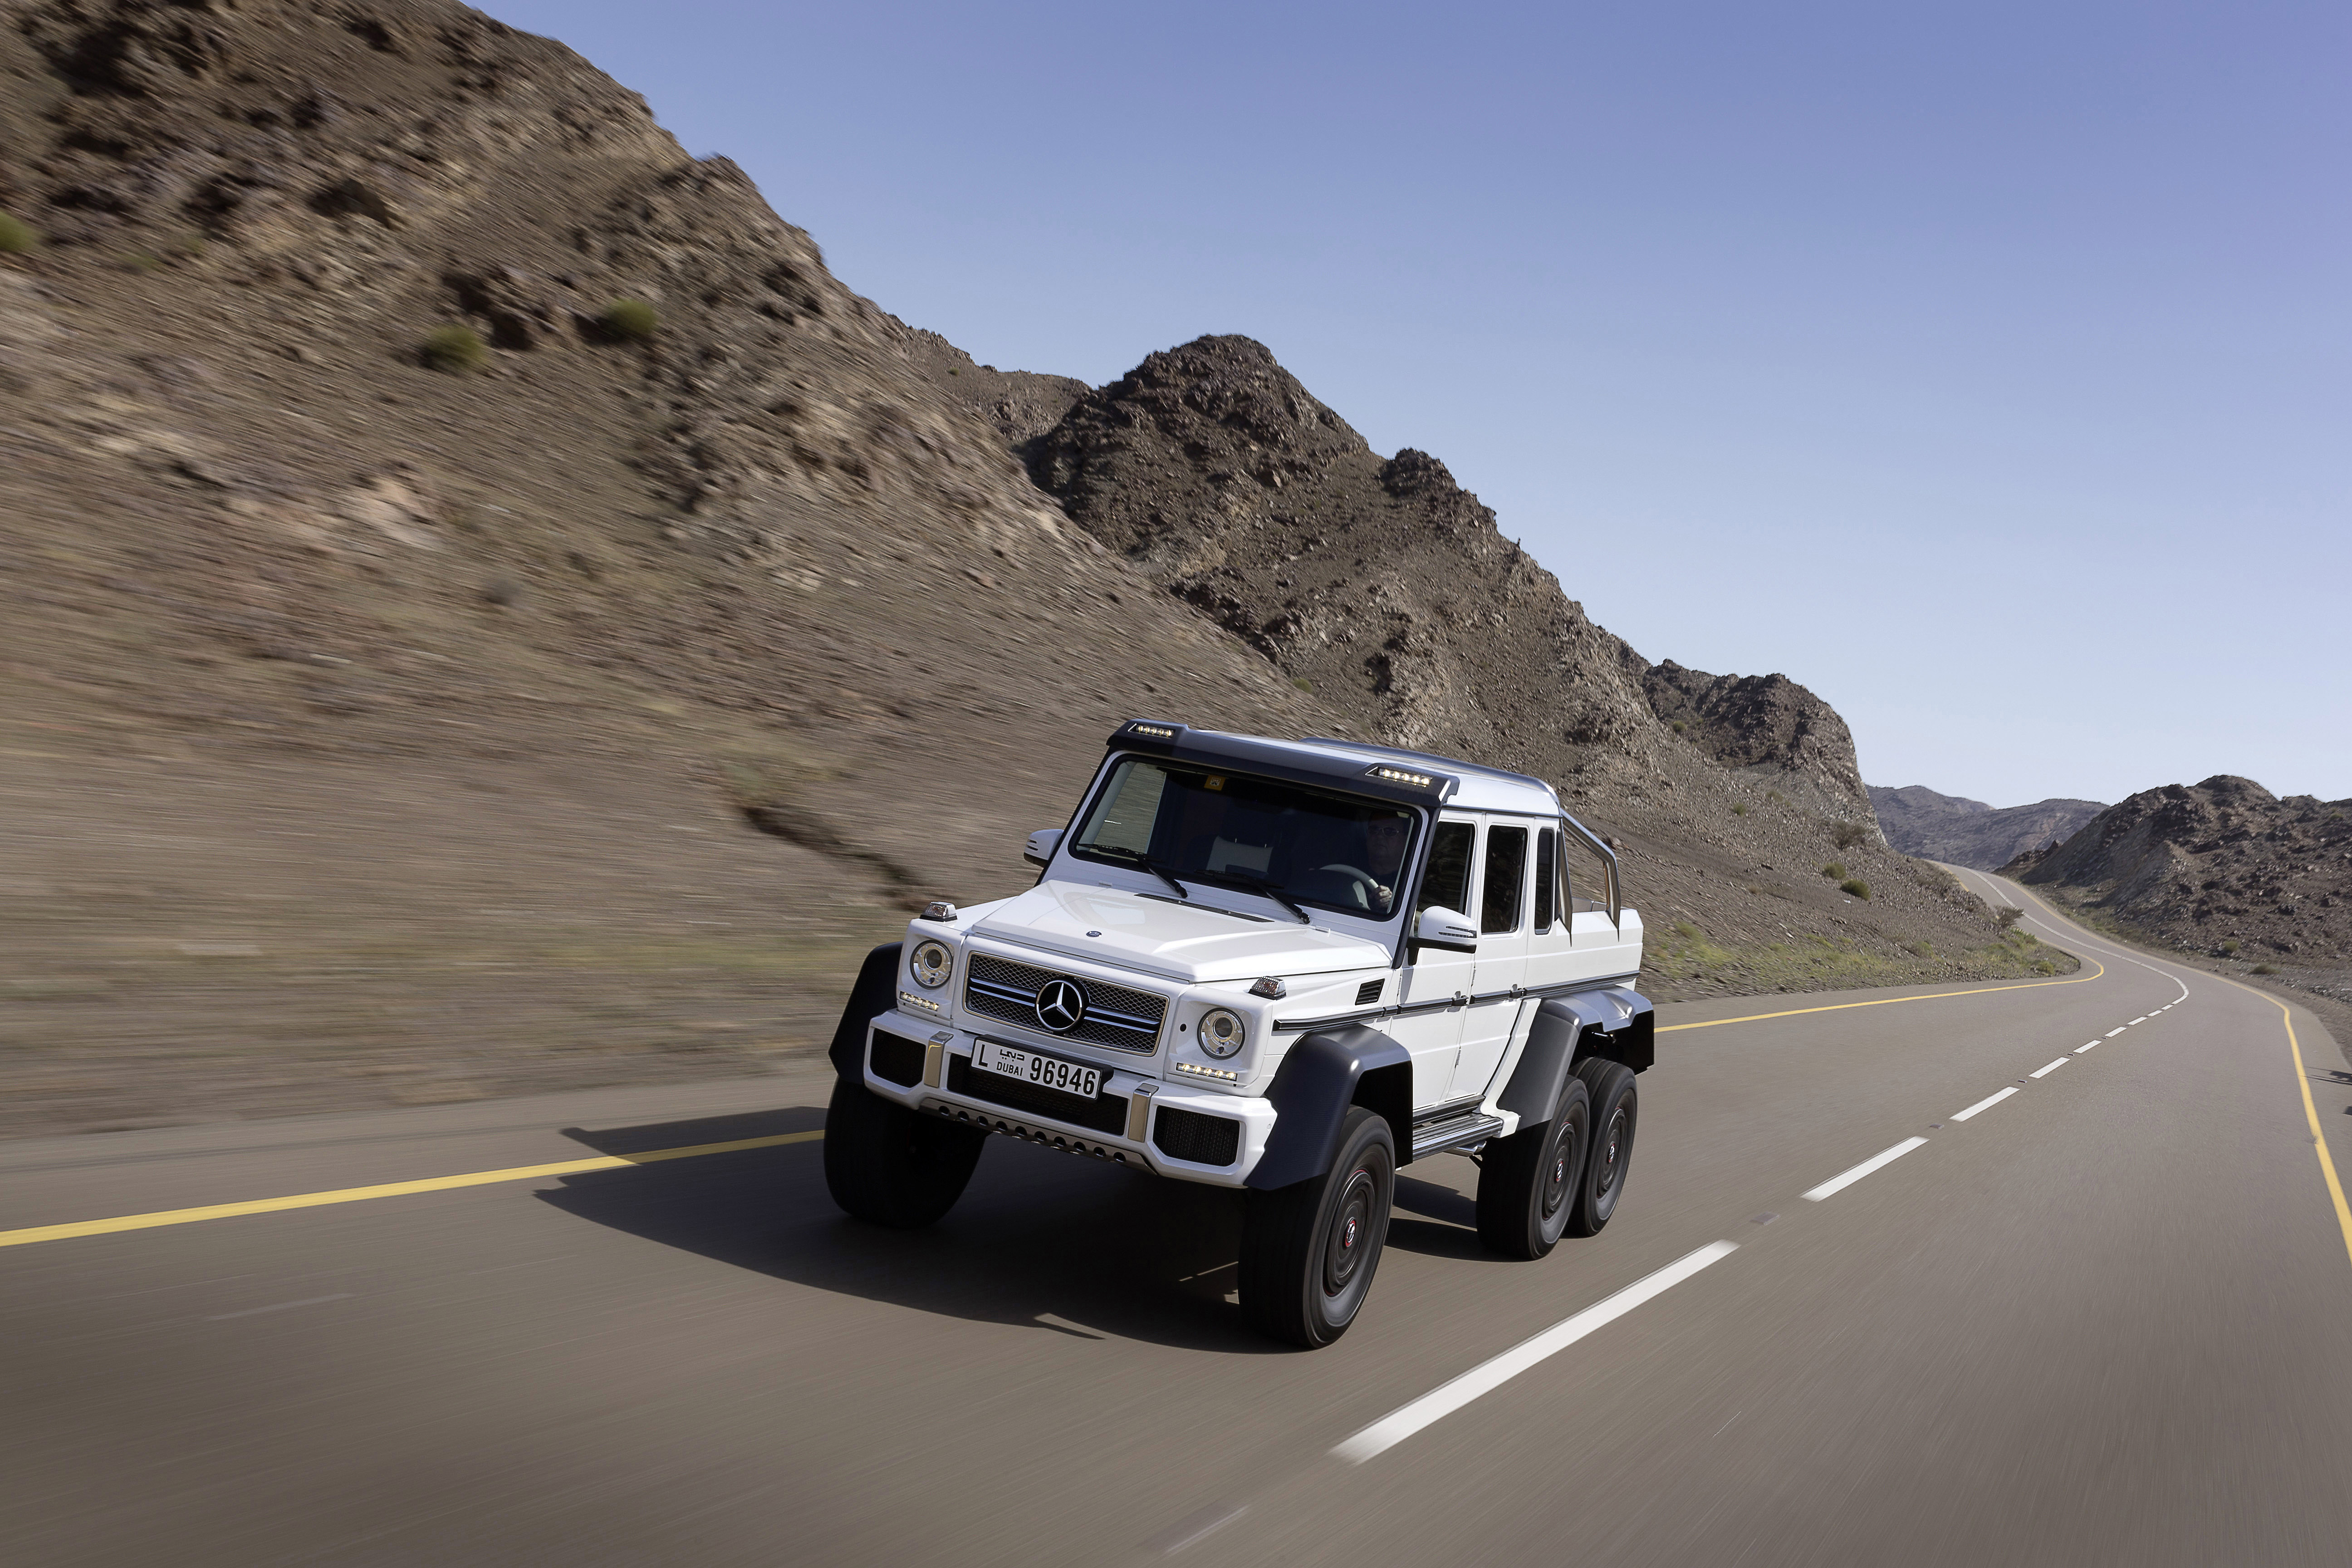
(1045, 1072)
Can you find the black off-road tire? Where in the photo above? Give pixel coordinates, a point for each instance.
(1616, 1111)
(1309, 1249)
(889, 1165)
(1528, 1182)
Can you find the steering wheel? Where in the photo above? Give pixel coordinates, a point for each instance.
(1367, 889)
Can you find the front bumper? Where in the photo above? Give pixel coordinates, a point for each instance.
(1127, 1123)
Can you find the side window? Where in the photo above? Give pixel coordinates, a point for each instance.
(1547, 873)
(1446, 885)
(1506, 873)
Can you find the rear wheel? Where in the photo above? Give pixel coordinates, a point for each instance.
(889, 1165)
(1616, 1108)
(1309, 1249)
(1528, 1182)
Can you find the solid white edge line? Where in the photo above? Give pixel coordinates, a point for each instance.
(1442, 1401)
(1838, 1184)
(1987, 1103)
(2054, 1067)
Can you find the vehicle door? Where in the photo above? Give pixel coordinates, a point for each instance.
(1505, 868)
(1434, 978)
(1552, 949)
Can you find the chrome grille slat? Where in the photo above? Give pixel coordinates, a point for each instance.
(1119, 1017)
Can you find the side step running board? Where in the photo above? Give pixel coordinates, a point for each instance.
(1465, 1132)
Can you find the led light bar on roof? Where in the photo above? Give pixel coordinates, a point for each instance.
(1400, 775)
(1156, 732)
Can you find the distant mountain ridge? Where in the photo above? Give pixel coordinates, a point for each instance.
(1963, 832)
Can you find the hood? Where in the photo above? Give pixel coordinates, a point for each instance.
(1168, 939)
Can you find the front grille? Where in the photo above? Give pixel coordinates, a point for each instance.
(1202, 1140)
(1369, 992)
(1104, 1113)
(898, 1059)
(1115, 1016)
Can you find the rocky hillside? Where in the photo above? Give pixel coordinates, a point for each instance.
(488, 609)
(1387, 589)
(2223, 868)
(1963, 832)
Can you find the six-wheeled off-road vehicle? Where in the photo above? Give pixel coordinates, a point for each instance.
(1285, 966)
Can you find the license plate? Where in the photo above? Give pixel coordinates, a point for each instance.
(1029, 1067)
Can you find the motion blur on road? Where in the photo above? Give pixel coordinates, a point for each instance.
(1920, 1319)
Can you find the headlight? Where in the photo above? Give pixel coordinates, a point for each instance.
(1222, 1032)
(931, 964)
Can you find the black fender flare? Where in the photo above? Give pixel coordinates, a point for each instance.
(876, 988)
(1312, 1091)
(1616, 1023)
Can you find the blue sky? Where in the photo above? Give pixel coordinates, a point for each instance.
(1983, 367)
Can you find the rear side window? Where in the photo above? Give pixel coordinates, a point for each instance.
(1506, 871)
(1547, 873)
(1446, 885)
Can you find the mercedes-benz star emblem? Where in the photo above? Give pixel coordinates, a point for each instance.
(1060, 1006)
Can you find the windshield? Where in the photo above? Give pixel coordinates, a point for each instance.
(1294, 843)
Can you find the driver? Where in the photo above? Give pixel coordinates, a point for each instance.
(1385, 838)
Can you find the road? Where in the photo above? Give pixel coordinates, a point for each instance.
(2103, 1319)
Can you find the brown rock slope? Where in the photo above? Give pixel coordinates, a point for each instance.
(2223, 868)
(1963, 832)
(375, 730)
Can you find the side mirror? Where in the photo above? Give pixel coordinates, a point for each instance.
(1442, 927)
(1041, 845)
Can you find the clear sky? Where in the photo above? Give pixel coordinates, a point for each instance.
(1983, 366)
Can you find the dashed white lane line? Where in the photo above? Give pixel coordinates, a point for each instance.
(2054, 1067)
(1987, 1103)
(2141, 1019)
(1838, 1184)
(1442, 1401)
(2092, 1047)
(2110, 1034)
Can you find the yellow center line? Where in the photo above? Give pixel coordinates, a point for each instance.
(1890, 1001)
(388, 1190)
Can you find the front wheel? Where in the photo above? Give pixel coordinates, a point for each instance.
(1616, 1108)
(889, 1165)
(1309, 1249)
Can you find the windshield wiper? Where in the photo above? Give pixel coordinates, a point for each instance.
(1257, 885)
(1138, 857)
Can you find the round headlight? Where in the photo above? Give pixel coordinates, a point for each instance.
(931, 964)
(1222, 1032)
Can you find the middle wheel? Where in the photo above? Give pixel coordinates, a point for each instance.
(1309, 1249)
(1528, 1182)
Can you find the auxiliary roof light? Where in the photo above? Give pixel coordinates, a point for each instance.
(1401, 776)
(1156, 732)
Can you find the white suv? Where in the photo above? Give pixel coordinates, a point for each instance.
(1286, 966)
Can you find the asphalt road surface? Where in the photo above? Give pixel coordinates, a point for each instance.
(2106, 1318)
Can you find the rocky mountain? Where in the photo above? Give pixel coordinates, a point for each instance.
(489, 610)
(1387, 590)
(1963, 832)
(2223, 868)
